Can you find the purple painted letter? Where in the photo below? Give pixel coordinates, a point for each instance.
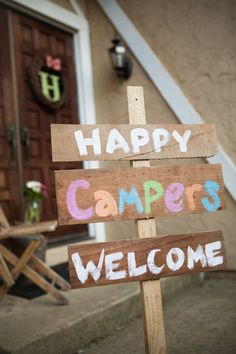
(75, 211)
(172, 195)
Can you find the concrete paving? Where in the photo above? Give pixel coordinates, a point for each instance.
(42, 326)
(200, 320)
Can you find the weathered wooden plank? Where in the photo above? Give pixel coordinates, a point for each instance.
(143, 259)
(72, 142)
(136, 193)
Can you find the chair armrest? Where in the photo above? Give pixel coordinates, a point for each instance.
(29, 229)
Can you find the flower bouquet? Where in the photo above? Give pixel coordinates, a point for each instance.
(35, 192)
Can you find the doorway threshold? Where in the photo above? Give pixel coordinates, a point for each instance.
(56, 253)
(68, 239)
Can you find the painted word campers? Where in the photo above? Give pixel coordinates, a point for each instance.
(174, 259)
(129, 193)
(106, 205)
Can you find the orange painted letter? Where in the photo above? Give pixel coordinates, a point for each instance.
(190, 194)
(106, 204)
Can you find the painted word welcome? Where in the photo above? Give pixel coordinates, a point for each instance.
(107, 142)
(132, 260)
(98, 195)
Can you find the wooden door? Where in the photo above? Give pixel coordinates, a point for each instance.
(9, 176)
(33, 39)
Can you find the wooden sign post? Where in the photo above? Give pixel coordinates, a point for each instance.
(150, 290)
(140, 193)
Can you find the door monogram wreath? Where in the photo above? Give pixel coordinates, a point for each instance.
(47, 81)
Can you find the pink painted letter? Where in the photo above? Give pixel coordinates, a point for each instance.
(172, 195)
(75, 211)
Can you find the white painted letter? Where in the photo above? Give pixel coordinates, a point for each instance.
(82, 142)
(116, 141)
(82, 272)
(196, 256)
(110, 266)
(139, 137)
(157, 141)
(182, 140)
(151, 262)
(211, 250)
(175, 265)
(135, 271)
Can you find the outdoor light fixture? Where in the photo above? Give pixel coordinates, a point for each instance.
(121, 62)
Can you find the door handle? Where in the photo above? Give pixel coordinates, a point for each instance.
(25, 140)
(11, 139)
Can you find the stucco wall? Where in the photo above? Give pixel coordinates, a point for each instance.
(195, 40)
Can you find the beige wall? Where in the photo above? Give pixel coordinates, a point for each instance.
(195, 40)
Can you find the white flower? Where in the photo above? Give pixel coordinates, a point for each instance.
(34, 185)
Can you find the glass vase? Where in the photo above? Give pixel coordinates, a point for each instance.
(32, 212)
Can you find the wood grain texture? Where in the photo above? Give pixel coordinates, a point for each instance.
(141, 248)
(113, 180)
(153, 322)
(202, 142)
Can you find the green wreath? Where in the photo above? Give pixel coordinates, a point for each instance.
(38, 73)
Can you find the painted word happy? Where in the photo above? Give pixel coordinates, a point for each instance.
(125, 261)
(139, 137)
(90, 195)
(106, 142)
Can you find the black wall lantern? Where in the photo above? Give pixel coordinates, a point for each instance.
(121, 62)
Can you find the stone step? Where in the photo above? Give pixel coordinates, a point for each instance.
(42, 326)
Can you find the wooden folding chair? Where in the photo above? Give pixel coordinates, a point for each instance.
(36, 267)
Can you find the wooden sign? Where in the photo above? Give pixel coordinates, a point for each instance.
(72, 142)
(145, 259)
(141, 193)
(135, 193)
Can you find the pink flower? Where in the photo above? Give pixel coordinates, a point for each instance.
(44, 189)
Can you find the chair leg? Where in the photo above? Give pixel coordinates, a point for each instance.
(42, 267)
(35, 277)
(5, 273)
(24, 259)
(20, 264)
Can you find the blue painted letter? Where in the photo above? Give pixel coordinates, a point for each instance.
(130, 198)
(211, 188)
